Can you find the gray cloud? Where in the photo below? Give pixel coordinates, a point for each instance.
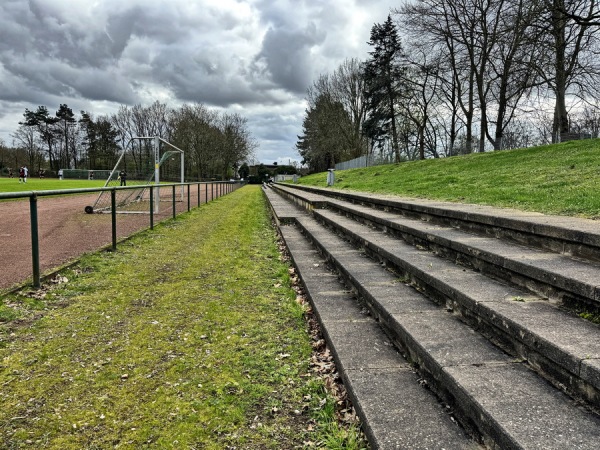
(255, 57)
(286, 56)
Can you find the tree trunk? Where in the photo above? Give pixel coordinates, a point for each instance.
(561, 117)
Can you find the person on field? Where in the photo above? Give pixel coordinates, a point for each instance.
(21, 174)
(25, 173)
(60, 174)
(10, 173)
(123, 177)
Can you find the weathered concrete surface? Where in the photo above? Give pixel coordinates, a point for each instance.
(396, 411)
(485, 299)
(568, 229)
(577, 277)
(522, 411)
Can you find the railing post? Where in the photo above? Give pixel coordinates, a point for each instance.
(174, 205)
(35, 247)
(152, 207)
(113, 215)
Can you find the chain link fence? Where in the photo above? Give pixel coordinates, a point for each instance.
(365, 161)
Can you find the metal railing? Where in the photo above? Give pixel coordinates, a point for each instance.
(217, 189)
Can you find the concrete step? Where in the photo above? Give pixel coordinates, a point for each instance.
(558, 277)
(568, 235)
(562, 346)
(282, 210)
(493, 394)
(395, 409)
(437, 342)
(571, 282)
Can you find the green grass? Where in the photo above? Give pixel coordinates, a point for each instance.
(46, 184)
(190, 336)
(556, 179)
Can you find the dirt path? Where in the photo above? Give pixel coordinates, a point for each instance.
(65, 232)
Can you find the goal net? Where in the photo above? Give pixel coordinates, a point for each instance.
(145, 161)
(84, 174)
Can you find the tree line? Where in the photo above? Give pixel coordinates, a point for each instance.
(448, 77)
(215, 144)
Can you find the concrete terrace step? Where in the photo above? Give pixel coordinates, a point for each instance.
(495, 395)
(396, 411)
(283, 211)
(568, 235)
(492, 393)
(563, 279)
(384, 388)
(560, 345)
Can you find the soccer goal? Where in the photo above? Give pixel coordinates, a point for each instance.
(84, 174)
(144, 161)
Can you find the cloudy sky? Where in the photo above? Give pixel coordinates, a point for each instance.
(254, 57)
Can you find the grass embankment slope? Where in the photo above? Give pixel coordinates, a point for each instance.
(189, 336)
(554, 179)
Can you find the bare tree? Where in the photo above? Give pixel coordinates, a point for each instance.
(25, 138)
(215, 145)
(236, 143)
(423, 79)
(194, 130)
(587, 120)
(122, 121)
(348, 88)
(450, 27)
(569, 65)
(510, 75)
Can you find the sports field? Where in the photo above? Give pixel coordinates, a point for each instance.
(46, 184)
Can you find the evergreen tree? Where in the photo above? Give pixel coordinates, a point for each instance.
(44, 125)
(322, 144)
(244, 171)
(383, 78)
(66, 126)
(100, 141)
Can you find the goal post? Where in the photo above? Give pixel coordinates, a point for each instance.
(160, 160)
(143, 161)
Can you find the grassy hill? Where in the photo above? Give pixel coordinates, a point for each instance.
(555, 179)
